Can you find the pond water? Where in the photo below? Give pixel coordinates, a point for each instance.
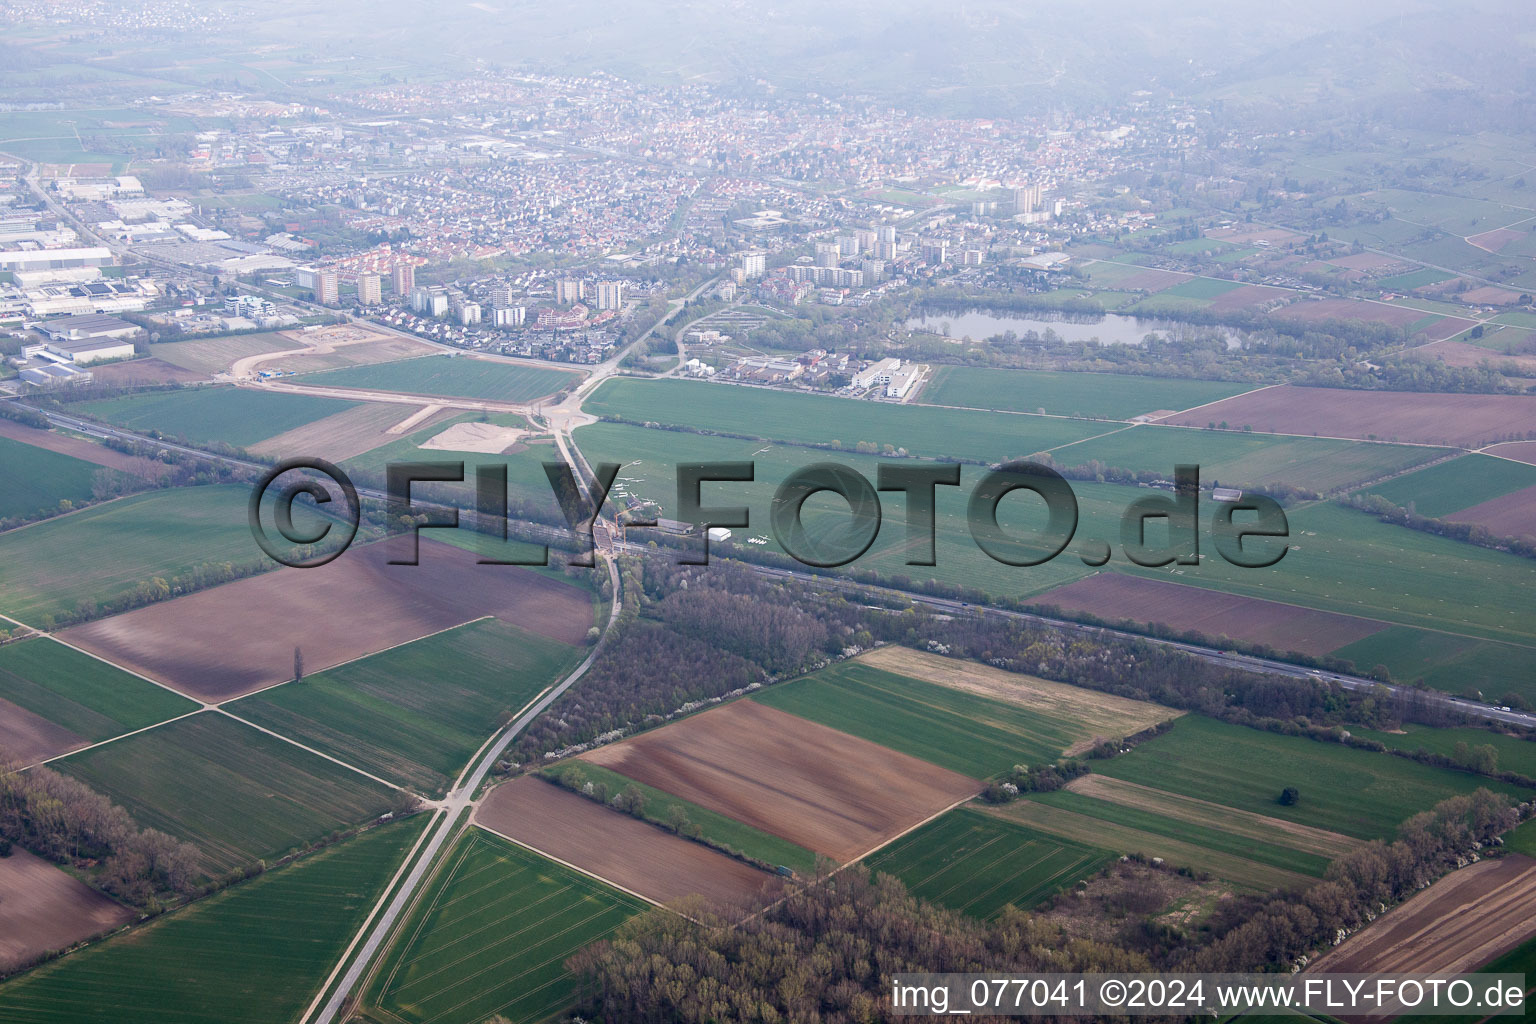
(1107, 329)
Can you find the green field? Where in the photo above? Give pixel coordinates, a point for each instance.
(951, 728)
(490, 935)
(1515, 754)
(1353, 792)
(1411, 280)
(450, 376)
(1201, 287)
(800, 418)
(37, 480)
(255, 953)
(715, 826)
(107, 550)
(1099, 395)
(980, 865)
(203, 415)
(87, 696)
(1243, 459)
(1269, 849)
(1345, 561)
(649, 458)
(1455, 664)
(414, 714)
(1341, 560)
(1449, 487)
(237, 794)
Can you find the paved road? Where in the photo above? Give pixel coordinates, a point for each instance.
(1235, 660)
(1229, 658)
(446, 825)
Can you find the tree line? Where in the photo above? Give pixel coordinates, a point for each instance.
(61, 819)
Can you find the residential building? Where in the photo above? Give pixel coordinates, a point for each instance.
(752, 264)
(403, 277)
(370, 291)
(327, 288)
(568, 291)
(610, 295)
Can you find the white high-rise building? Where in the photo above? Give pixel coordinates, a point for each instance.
(752, 264)
(610, 295)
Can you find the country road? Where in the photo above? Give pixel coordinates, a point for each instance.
(379, 926)
(953, 607)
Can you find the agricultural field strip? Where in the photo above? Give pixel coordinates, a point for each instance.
(566, 864)
(312, 750)
(405, 865)
(343, 664)
(1226, 819)
(1124, 839)
(423, 913)
(1090, 708)
(373, 913)
(221, 710)
(934, 855)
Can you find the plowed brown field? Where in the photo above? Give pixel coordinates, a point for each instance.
(42, 908)
(623, 851)
(1112, 595)
(225, 642)
(1428, 418)
(823, 789)
(1458, 924)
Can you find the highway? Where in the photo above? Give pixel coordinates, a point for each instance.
(1232, 659)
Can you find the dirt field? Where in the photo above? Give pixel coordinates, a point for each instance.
(823, 789)
(1112, 595)
(1366, 261)
(205, 357)
(1103, 714)
(1247, 234)
(1244, 297)
(1489, 295)
(1520, 451)
(1227, 819)
(1462, 420)
(347, 345)
(345, 434)
(80, 448)
(622, 850)
(1458, 924)
(1350, 309)
(28, 738)
(145, 371)
(222, 643)
(486, 438)
(42, 908)
(1459, 353)
(1513, 515)
(1493, 241)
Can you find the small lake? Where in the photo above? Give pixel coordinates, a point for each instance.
(1108, 329)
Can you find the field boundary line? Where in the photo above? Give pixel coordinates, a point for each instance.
(114, 739)
(405, 863)
(108, 661)
(353, 661)
(1206, 405)
(312, 750)
(907, 831)
(567, 864)
(1124, 426)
